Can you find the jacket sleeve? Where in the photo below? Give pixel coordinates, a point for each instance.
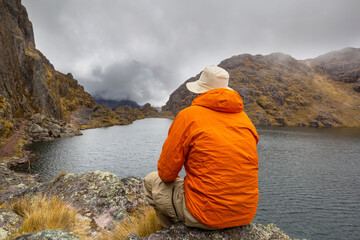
(173, 153)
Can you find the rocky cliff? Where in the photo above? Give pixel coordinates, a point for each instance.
(280, 90)
(29, 84)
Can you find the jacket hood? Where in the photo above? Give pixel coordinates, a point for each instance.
(221, 100)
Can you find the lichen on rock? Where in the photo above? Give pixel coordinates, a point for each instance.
(104, 199)
(251, 231)
(9, 221)
(101, 196)
(48, 234)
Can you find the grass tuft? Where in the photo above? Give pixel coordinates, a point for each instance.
(41, 213)
(143, 225)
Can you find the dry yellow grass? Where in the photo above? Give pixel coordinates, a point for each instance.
(143, 225)
(41, 213)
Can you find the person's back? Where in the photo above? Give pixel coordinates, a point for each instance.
(216, 142)
(221, 188)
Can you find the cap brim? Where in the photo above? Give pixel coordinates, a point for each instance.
(196, 88)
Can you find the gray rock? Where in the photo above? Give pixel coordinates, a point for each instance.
(43, 128)
(43, 135)
(314, 124)
(55, 126)
(12, 182)
(70, 129)
(101, 196)
(48, 234)
(251, 231)
(55, 130)
(35, 128)
(9, 221)
(133, 236)
(38, 118)
(54, 133)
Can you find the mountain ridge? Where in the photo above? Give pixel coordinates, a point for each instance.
(116, 103)
(279, 90)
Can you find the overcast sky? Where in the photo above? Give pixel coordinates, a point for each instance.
(143, 50)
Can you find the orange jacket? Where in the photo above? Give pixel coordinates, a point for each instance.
(216, 142)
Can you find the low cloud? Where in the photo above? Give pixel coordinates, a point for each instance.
(143, 50)
(131, 80)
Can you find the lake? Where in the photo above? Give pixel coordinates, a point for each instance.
(309, 179)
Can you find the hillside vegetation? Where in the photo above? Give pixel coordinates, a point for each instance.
(280, 90)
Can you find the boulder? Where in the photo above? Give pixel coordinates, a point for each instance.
(251, 231)
(43, 128)
(9, 221)
(37, 118)
(35, 128)
(48, 234)
(11, 182)
(314, 124)
(54, 133)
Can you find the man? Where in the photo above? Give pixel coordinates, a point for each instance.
(216, 142)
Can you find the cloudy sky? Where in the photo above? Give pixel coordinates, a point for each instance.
(143, 50)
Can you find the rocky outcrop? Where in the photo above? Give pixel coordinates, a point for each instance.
(29, 84)
(282, 91)
(128, 113)
(252, 231)
(101, 196)
(42, 128)
(6, 122)
(13, 181)
(342, 65)
(48, 234)
(180, 98)
(9, 221)
(149, 111)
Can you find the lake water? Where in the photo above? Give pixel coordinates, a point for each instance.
(309, 179)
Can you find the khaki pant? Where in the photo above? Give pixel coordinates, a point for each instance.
(168, 200)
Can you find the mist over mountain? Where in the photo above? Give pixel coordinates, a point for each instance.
(279, 90)
(116, 103)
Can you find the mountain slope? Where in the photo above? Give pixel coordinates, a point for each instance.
(29, 84)
(280, 90)
(115, 103)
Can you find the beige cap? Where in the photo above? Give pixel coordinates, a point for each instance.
(212, 77)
